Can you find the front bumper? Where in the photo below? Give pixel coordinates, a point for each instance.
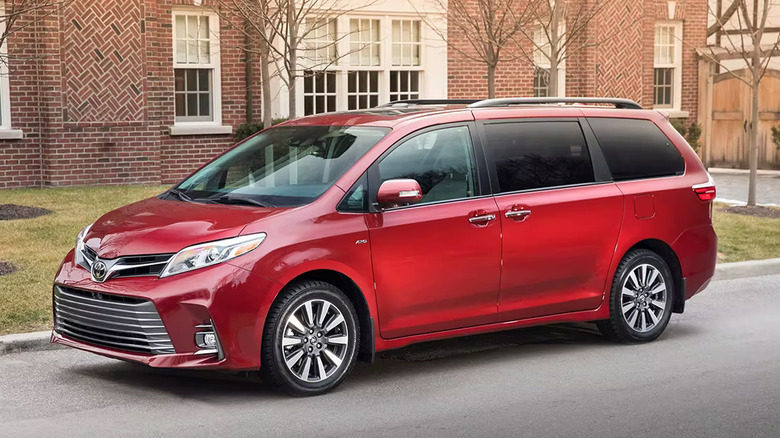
(233, 299)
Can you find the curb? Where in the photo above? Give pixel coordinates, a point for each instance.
(38, 341)
(35, 341)
(728, 171)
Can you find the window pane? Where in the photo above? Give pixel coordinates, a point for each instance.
(192, 80)
(181, 52)
(205, 80)
(393, 81)
(204, 104)
(203, 31)
(534, 155)
(181, 26)
(636, 149)
(308, 82)
(352, 82)
(192, 27)
(440, 161)
(178, 79)
(331, 82)
(205, 52)
(192, 104)
(180, 111)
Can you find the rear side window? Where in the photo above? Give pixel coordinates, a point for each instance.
(532, 155)
(636, 149)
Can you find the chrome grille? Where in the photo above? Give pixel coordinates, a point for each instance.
(122, 323)
(127, 266)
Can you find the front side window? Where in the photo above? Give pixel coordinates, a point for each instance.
(667, 63)
(283, 166)
(534, 155)
(441, 161)
(636, 148)
(196, 67)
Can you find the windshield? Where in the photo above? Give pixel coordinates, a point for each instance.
(281, 167)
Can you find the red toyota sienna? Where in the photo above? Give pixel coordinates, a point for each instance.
(323, 240)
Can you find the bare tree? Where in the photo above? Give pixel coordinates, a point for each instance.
(558, 30)
(280, 32)
(21, 14)
(745, 43)
(488, 27)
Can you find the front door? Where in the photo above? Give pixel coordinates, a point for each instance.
(437, 263)
(560, 220)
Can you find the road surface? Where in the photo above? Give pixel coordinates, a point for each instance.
(714, 373)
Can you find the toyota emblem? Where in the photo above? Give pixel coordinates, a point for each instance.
(99, 271)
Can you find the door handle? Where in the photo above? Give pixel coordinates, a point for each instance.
(517, 213)
(482, 218)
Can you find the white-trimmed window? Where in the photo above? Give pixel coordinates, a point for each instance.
(196, 67)
(364, 42)
(320, 42)
(379, 58)
(667, 63)
(5, 88)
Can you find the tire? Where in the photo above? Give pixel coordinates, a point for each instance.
(639, 312)
(328, 341)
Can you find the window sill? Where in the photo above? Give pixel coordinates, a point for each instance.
(201, 129)
(11, 134)
(674, 114)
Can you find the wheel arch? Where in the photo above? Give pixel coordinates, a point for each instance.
(356, 296)
(665, 251)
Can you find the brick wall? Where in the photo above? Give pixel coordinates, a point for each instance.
(92, 89)
(619, 65)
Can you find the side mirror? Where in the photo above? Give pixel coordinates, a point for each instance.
(395, 192)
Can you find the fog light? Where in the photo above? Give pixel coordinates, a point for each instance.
(206, 340)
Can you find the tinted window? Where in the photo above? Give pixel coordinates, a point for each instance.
(532, 155)
(441, 161)
(636, 149)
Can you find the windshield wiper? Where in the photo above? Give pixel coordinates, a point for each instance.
(233, 199)
(181, 195)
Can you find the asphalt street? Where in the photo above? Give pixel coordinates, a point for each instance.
(734, 187)
(714, 373)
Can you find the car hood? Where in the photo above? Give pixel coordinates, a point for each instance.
(156, 226)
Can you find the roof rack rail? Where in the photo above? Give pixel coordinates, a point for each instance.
(429, 102)
(491, 103)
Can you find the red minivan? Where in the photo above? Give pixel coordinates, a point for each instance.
(325, 239)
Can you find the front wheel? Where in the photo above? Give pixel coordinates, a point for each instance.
(641, 298)
(310, 341)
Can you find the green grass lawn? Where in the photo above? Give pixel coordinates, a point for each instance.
(742, 237)
(36, 246)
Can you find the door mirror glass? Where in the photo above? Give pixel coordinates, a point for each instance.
(397, 192)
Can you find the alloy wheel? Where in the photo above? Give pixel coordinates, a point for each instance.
(315, 340)
(643, 298)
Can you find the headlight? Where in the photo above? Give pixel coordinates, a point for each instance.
(207, 254)
(80, 245)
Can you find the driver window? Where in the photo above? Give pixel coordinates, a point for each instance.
(441, 161)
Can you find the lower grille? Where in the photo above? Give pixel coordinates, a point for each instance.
(105, 320)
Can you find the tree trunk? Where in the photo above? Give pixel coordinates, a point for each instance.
(491, 76)
(753, 144)
(265, 71)
(292, 70)
(552, 85)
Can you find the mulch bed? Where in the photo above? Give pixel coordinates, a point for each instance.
(756, 211)
(6, 268)
(13, 211)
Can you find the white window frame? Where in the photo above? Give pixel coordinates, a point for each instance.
(675, 108)
(201, 127)
(343, 65)
(5, 89)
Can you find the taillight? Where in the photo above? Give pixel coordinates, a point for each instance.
(706, 191)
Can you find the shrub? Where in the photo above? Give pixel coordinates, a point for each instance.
(245, 130)
(776, 135)
(691, 132)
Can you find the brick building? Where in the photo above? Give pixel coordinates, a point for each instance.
(144, 91)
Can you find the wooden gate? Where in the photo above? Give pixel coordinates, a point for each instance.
(726, 129)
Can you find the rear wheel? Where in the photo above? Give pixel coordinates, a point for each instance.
(310, 341)
(641, 298)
